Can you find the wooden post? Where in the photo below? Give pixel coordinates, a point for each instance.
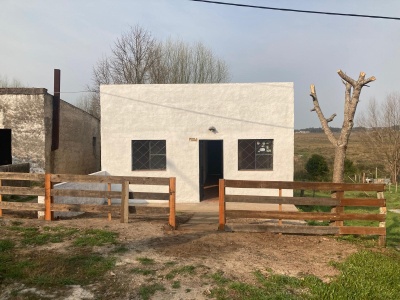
(47, 198)
(172, 196)
(125, 202)
(339, 209)
(1, 211)
(280, 209)
(109, 200)
(222, 206)
(382, 210)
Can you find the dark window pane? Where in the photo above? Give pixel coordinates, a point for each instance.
(264, 162)
(255, 154)
(148, 155)
(246, 154)
(158, 162)
(157, 147)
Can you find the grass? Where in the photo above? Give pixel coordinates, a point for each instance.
(96, 237)
(49, 268)
(364, 275)
(307, 144)
(190, 270)
(35, 236)
(272, 286)
(392, 219)
(6, 245)
(145, 260)
(146, 291)
(144, 272)
(367, 275)
(46, 268)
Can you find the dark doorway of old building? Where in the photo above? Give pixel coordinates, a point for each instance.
(5, 147)
(211, 167)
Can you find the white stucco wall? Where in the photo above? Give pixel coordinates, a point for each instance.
(178, 112)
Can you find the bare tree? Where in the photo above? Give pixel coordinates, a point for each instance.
(352, 96)
(138, 58)
(86, 103)
(381, 132)
(6, 83)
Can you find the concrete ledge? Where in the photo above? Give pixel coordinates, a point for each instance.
(23, 91)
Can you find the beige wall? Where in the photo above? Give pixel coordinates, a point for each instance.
(76, 153)
(28, 113)
(181, 114)
(22, 111)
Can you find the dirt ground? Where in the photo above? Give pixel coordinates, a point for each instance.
(236, 255)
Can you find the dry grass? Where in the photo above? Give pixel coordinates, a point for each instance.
(306, 144)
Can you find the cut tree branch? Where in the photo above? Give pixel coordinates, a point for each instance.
(331, 118)
(324, 122)
(346, 78)
(368, 80)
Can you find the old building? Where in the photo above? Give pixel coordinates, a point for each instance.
(198, 133)
(26, 133)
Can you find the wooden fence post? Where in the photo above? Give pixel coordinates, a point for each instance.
(109, 200)
(47, 197)
(339, 209)
(382, 210)
(172, 199)
(125, 202)
(280, 207)
(1, 199)
(222, 206)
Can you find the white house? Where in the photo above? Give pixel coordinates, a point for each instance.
(198, 133)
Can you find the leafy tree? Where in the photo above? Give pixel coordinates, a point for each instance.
(317, 167)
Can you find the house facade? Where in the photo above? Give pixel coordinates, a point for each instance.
(198, 133)
(26, 123)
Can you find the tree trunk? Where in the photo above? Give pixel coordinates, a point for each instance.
(338, 164)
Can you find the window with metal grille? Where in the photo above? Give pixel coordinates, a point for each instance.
(149, 155)
(255, 154)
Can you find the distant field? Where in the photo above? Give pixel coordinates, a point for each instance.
(307, 144)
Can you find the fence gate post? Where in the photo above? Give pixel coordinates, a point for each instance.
(172, 199)
(48, 216)
(382, 210)
(109, 200)
(125, 202)
(222, 206)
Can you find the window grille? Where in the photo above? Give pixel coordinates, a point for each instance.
(255, 154)
(149, 155)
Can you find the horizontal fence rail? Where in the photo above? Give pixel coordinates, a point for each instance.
(49, 192)
(336, 204)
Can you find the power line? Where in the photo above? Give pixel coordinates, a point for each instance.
(298, 10)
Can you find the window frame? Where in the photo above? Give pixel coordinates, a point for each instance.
(150, 156)
(267, 157)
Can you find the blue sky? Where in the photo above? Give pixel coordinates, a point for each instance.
(258, 45)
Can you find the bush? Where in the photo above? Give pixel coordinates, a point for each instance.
(317, 167)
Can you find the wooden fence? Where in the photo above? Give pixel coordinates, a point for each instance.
(48, 181)
(337, 202)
